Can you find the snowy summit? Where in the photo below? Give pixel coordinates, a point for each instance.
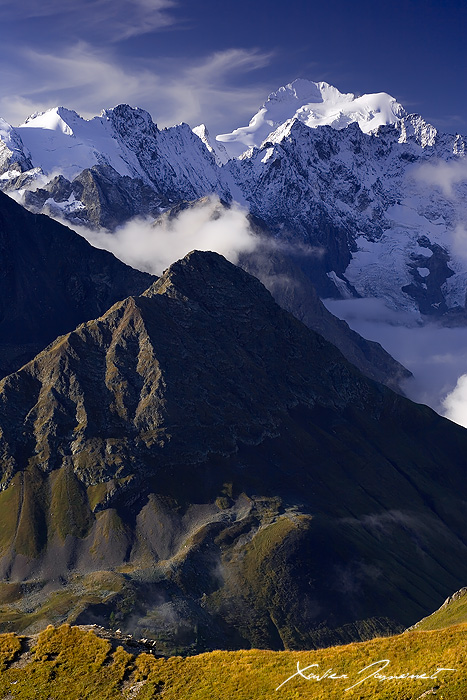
(314, 104)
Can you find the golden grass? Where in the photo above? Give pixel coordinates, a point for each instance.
(76, 665)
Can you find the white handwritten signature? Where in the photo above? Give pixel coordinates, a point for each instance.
(377, 667)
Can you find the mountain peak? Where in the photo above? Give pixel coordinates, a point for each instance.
(314, 104)
(54, 119)
(208, 276)
(299, 89)
(215, 147)
(133, 116)
(201, 428)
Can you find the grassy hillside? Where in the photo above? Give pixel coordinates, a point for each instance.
(75, 664)
(452, 612)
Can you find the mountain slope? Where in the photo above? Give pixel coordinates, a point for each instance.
(452, 612)
(51, 280)
(199, 465)
(75, 662)
(285, 273)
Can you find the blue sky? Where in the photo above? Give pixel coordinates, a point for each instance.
(216, 62)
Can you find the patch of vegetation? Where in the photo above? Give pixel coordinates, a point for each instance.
(31, 531)
(9, 510)
(104, 582)
(10, 646)
(64, 605)
(71, 663)
(98, 493)
(10, 592)
(69, 508)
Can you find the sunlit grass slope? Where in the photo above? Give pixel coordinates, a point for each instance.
(74, 664)
(452, 612)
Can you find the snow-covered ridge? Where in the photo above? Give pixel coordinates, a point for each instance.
(314, 104)
(341, 174)
(215, 147)
(60, 142)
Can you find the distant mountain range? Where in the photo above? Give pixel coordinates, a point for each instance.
(378, 192)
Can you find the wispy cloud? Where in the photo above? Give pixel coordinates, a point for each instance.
(88, 79)
(106, 20)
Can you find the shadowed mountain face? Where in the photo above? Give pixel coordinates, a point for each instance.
(51, 279)
(199, 466)
(288, 277)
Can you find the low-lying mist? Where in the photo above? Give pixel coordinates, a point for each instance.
(436, 355)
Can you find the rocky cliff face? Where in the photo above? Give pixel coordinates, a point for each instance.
(216, 473)
(113, 167)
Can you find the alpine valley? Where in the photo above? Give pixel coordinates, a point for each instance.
(196, 459)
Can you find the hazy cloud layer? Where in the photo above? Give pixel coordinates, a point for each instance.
(103, 20)
(437, 356)
(443, 175)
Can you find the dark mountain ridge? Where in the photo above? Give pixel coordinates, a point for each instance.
(51, 279)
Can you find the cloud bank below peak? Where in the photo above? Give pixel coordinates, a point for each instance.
(152, 247)
(436, 355)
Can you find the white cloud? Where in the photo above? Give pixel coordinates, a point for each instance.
(88, 80)
(444, 175)
(104, 20)
(451, 178)
(436, 355)
(455, 403)
(205, 226)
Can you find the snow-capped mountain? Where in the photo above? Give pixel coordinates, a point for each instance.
(371, 201)
(314, 104)
(363, 201)
(122, 148)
